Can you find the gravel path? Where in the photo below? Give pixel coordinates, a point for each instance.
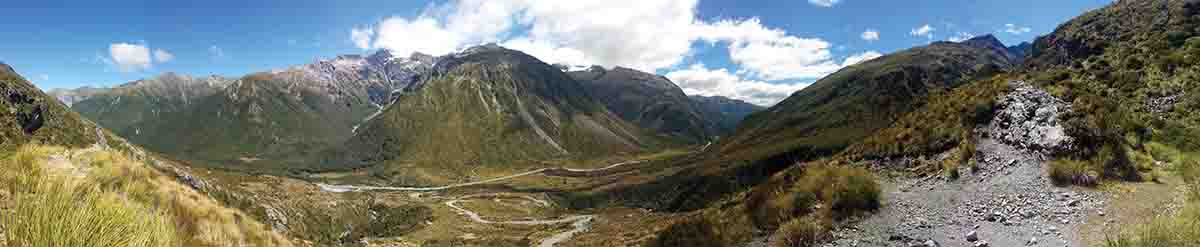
(1008, 202)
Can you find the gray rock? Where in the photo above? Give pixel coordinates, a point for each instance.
(981, 244)
(931, 243)
(1028, 117)
(972, 236)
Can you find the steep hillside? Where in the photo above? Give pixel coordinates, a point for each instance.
(489, 106)
(56, 192)
(34, 117)
(260, 116)
(726, 113)
(647, 100)
(136, 106)
(854, 102)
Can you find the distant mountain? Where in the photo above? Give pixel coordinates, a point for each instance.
(855, 101)
(263, 115)
(990, 42)
(649, 101)
(489, 106)
(1021, 50)
(725, 112)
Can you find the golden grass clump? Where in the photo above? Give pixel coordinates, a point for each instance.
(102, 198)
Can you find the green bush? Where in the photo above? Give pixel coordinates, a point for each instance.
(844, 190)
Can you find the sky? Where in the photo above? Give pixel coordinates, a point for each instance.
(757, 51)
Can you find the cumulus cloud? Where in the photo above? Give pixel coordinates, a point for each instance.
(129, 57)
(926, 31)
(861, 57)
(1014, 29)
(360, 37)
(771, 54)
(961, 36)
(698, 80)
(644, 35)
(870, 35)
(824, 3)
(162, 56)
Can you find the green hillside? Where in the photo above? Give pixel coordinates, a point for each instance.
(855, 101)
(649, 101)
(490, 106)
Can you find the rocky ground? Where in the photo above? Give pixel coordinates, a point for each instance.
(1006, 200)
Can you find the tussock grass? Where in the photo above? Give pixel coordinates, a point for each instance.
(1182, 229)
(102, 198)
(804, 232)
(724, 225)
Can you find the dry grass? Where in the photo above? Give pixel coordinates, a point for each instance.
(64, 197)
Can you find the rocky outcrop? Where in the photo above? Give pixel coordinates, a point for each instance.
(1028, 118)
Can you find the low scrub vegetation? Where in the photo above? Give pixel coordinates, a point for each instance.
(800, 204)
(947, 121)
(1182, 229)
(62, 197)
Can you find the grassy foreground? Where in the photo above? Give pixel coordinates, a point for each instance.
(53, 196)
(1180, 229)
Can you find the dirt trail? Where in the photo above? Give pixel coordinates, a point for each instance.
(1008, 202)
(579, 223)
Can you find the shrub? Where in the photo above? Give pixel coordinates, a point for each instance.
(698, 232)
(844, 190)
(804, 232)
(1065, 171)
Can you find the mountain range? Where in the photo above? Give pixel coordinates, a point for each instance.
(947, 143)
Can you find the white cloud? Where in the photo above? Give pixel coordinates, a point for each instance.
(129, 57)
(861, 57)
(771, 54)
(1014, 29)
(422, 34)
(644, 35)
(961, 36)
(824, 3)
(870, 35)
(549, 53)
(216, 52)
(648, 36)
(698, 80)
(361, 37)
(43, 78)
(162, 56)
(925, 30)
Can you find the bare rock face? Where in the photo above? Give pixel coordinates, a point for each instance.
(1028, 118)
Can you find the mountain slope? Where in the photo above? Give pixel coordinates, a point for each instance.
(649, 101)
(260, 116)
(853, 102)
(51, 182)
(31, 116)
(726, 113)
(489, 106)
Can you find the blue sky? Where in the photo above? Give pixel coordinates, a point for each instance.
(758, 51)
